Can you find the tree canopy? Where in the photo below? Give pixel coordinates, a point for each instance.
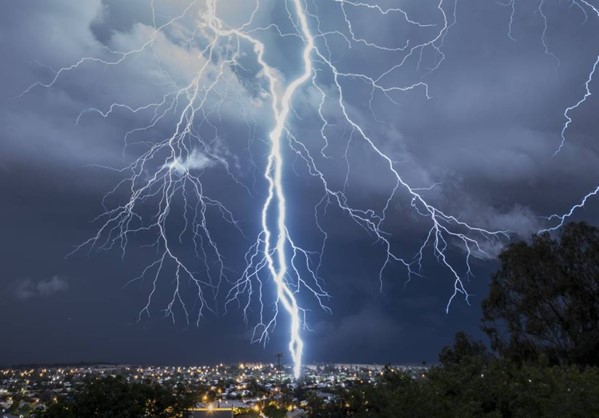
(114, 397)
(544, 300)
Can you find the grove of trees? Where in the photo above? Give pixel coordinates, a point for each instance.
(114, 397)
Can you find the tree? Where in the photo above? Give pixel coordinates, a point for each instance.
(116, 398)
(273, 411)
(544, 300)
(494, 388)
(394, 395)
(464, 350)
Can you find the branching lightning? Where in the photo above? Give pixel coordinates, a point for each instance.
(169, 177)
(584, 6)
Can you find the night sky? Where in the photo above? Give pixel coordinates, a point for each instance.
(485, 138)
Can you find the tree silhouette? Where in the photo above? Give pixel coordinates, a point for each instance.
(544, 300)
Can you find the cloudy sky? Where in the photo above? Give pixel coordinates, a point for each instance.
(481, 147)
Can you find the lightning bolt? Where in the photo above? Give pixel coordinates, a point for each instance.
(587, 83)
(169, 177)
(511, 4)
(584, 6)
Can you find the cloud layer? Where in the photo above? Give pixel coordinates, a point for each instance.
(483, 142)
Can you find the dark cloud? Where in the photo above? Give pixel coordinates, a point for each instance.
(369, 331)
(486, 139)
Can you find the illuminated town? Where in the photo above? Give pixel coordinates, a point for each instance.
(230, 389)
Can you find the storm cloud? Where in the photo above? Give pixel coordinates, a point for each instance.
(482, 145)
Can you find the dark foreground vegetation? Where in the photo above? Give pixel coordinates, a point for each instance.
(474, 386)
(542, 319)
(114, 397)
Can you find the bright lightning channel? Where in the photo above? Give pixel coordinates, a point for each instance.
(170, 173)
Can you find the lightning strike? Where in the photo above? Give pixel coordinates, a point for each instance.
(584, 6)
(170, 177)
